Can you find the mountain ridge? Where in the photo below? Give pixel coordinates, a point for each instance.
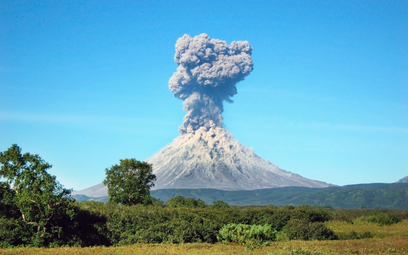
(374, 195)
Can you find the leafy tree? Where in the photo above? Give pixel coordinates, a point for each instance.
(129, 182)
(39, 198)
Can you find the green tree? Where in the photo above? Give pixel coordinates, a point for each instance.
(129, 182)
(39, 198)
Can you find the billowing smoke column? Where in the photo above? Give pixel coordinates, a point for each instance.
(207, 74)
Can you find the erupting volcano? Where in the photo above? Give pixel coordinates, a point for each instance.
(206, 155)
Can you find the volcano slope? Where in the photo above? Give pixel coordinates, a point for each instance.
(213, 158)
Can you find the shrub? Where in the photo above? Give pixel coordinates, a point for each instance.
(14, 232)
(251, 236)
(306, 230)
(381, 219)
(311, 214)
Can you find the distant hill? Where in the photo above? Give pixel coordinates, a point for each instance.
(403, 180)
(391, 196)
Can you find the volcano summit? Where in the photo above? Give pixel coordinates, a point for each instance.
(206, 155)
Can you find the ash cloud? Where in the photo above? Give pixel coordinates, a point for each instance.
(208, 72)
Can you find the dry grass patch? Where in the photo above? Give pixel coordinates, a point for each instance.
(396, 230)
(389, 245)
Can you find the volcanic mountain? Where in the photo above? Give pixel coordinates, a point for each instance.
(213, 158)
(206, 155)
(403, 180)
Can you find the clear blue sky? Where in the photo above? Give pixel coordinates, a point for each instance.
(85, 83)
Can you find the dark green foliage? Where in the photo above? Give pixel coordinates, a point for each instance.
(278, 217)
(155, 224)
(381, 219)
(180, 201)
(86, 229)
(281, 217)
(312, 214)
(32, 196)
(188, 221)
(391, 196)
(14, 232)
(251, 236)
(305, 230)
(107, 224)
(129, 182)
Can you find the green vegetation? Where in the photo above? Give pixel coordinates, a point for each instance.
(129, 182)
(34, 207)
(251, 236)
(305, 230)
(97, 223)
(109, 224)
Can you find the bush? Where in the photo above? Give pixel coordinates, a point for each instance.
(251, 236)
(311, 214)
(305, 230)
(14, 232)
(382, 219)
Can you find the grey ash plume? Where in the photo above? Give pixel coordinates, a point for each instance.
(208, 72)
(206, 155)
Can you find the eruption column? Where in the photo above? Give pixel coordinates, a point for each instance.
(208, 72)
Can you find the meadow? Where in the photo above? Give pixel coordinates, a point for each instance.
(388, 245)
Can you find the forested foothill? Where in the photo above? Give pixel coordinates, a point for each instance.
(35, 210)
(377, 195)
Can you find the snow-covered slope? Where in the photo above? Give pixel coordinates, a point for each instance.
(213, 158)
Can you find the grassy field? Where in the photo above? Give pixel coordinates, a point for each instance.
(386, 240)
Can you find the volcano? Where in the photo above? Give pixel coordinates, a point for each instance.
(213, 158)
(206, 155)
